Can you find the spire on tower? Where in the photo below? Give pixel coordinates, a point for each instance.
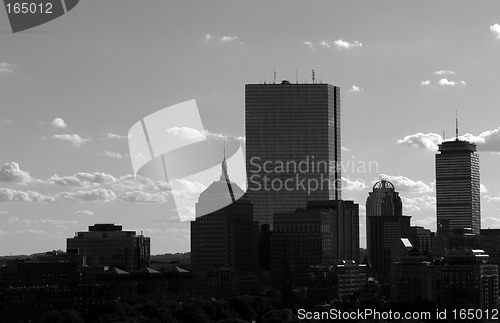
(224, 177)
(456, 124)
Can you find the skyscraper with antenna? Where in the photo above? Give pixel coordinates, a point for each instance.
(458, 186)
(292, 125)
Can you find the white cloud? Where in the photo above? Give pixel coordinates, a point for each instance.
(3, 212)
(85, 213)
(495, 29)
(59, 123)
(353, 185)
(227, 39)
(33, 231)
(446, 82)
(7, 68)
(101, 194)
(110, 136)
(186, 212)
(208, 37)
(194, 134)
(145, 197)
(10, 195)
(75, 139)
(187, 189)
(428, 141)
(426, 82)
(492, 198)
(355, 88)
(10, 172)
(344, 148)
(342, 44)
(489, 222)
(405, 184)
(443, 72)
(308, 44)
(417, 204)
(15, 219)
(186, 133)
(486, 141)
(324, 44)
(81, 179)
(113, 154)
(223, 39)
(483, 189)
(6, 121)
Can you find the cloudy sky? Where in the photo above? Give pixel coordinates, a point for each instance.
(71, 89)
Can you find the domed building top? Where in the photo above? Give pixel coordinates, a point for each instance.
(384, 200)
(220, 194)
(383, 185)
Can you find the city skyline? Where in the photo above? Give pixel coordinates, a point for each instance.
(71, 90)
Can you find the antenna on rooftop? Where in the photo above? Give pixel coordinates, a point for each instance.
(456, 123)
(296, 76)
(313, 77)
(274, 82)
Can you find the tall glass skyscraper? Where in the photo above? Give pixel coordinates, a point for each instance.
(385, 226)
(458, 187)
(292, 146)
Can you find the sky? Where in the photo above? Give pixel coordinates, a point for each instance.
(71, 89)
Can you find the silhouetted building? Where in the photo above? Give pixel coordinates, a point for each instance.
(265, 247)
(458, 187)
(345, 227)
(489, 241)
(323, 233)
(421, 238)
(38, 273)
(299, 241)
(385, 226)
(413, 278)
(466, 278)
(227, 237)
(107, 245)
(335, 281)
(293, 148)
(225, 242)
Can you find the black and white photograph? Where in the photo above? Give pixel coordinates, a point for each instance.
(249, 161)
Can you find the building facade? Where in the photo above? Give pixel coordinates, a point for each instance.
(385, 226)
(467, 278)
(413, 278)
(299, 241)
(107, 245)
(322, 234)
(336, 281)
(421, 238)
(344, 225)
(458, 187)
(293, 147)
(227, 237)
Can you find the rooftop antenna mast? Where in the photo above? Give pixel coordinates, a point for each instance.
(296, 76)
(274, 82)
(444, 135)
(313, 77)
(456, 124)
